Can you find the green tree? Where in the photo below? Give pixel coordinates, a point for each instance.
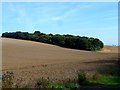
(69, 41)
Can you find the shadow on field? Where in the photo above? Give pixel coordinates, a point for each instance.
(102, 61)
(110, 71)
(106, 66)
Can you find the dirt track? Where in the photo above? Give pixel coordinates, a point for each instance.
(31, 60)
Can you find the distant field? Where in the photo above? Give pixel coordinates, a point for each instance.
(110, 49)
(28, 59)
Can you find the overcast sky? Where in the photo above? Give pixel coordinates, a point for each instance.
(77, 18)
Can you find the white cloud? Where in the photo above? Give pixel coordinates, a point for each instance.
(66, 14)
(71, 11)
(56, 18)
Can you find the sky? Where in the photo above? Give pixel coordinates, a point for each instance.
(91, 19)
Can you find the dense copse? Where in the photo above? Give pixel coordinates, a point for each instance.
(68, 41)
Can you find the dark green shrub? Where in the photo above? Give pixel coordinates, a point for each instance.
(82, 78)
(71, 84)
(42, 83)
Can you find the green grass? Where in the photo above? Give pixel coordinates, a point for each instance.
(106, 80)
(44, 83)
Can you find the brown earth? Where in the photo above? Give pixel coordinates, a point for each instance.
(30, 60)
(110, 49)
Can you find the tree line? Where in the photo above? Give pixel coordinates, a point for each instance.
(68, 41)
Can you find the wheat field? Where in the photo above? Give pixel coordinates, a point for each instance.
(31, 60)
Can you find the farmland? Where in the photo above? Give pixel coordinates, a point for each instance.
(30, 60)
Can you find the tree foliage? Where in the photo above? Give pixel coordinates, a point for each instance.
(68, 41)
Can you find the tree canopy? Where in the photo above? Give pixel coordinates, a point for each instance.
(68, 41)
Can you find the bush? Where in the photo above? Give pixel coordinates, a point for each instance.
(42, 83)
(82, 78)
(71, 84)
(96, 76)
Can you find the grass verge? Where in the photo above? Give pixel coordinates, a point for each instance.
(105, 80)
